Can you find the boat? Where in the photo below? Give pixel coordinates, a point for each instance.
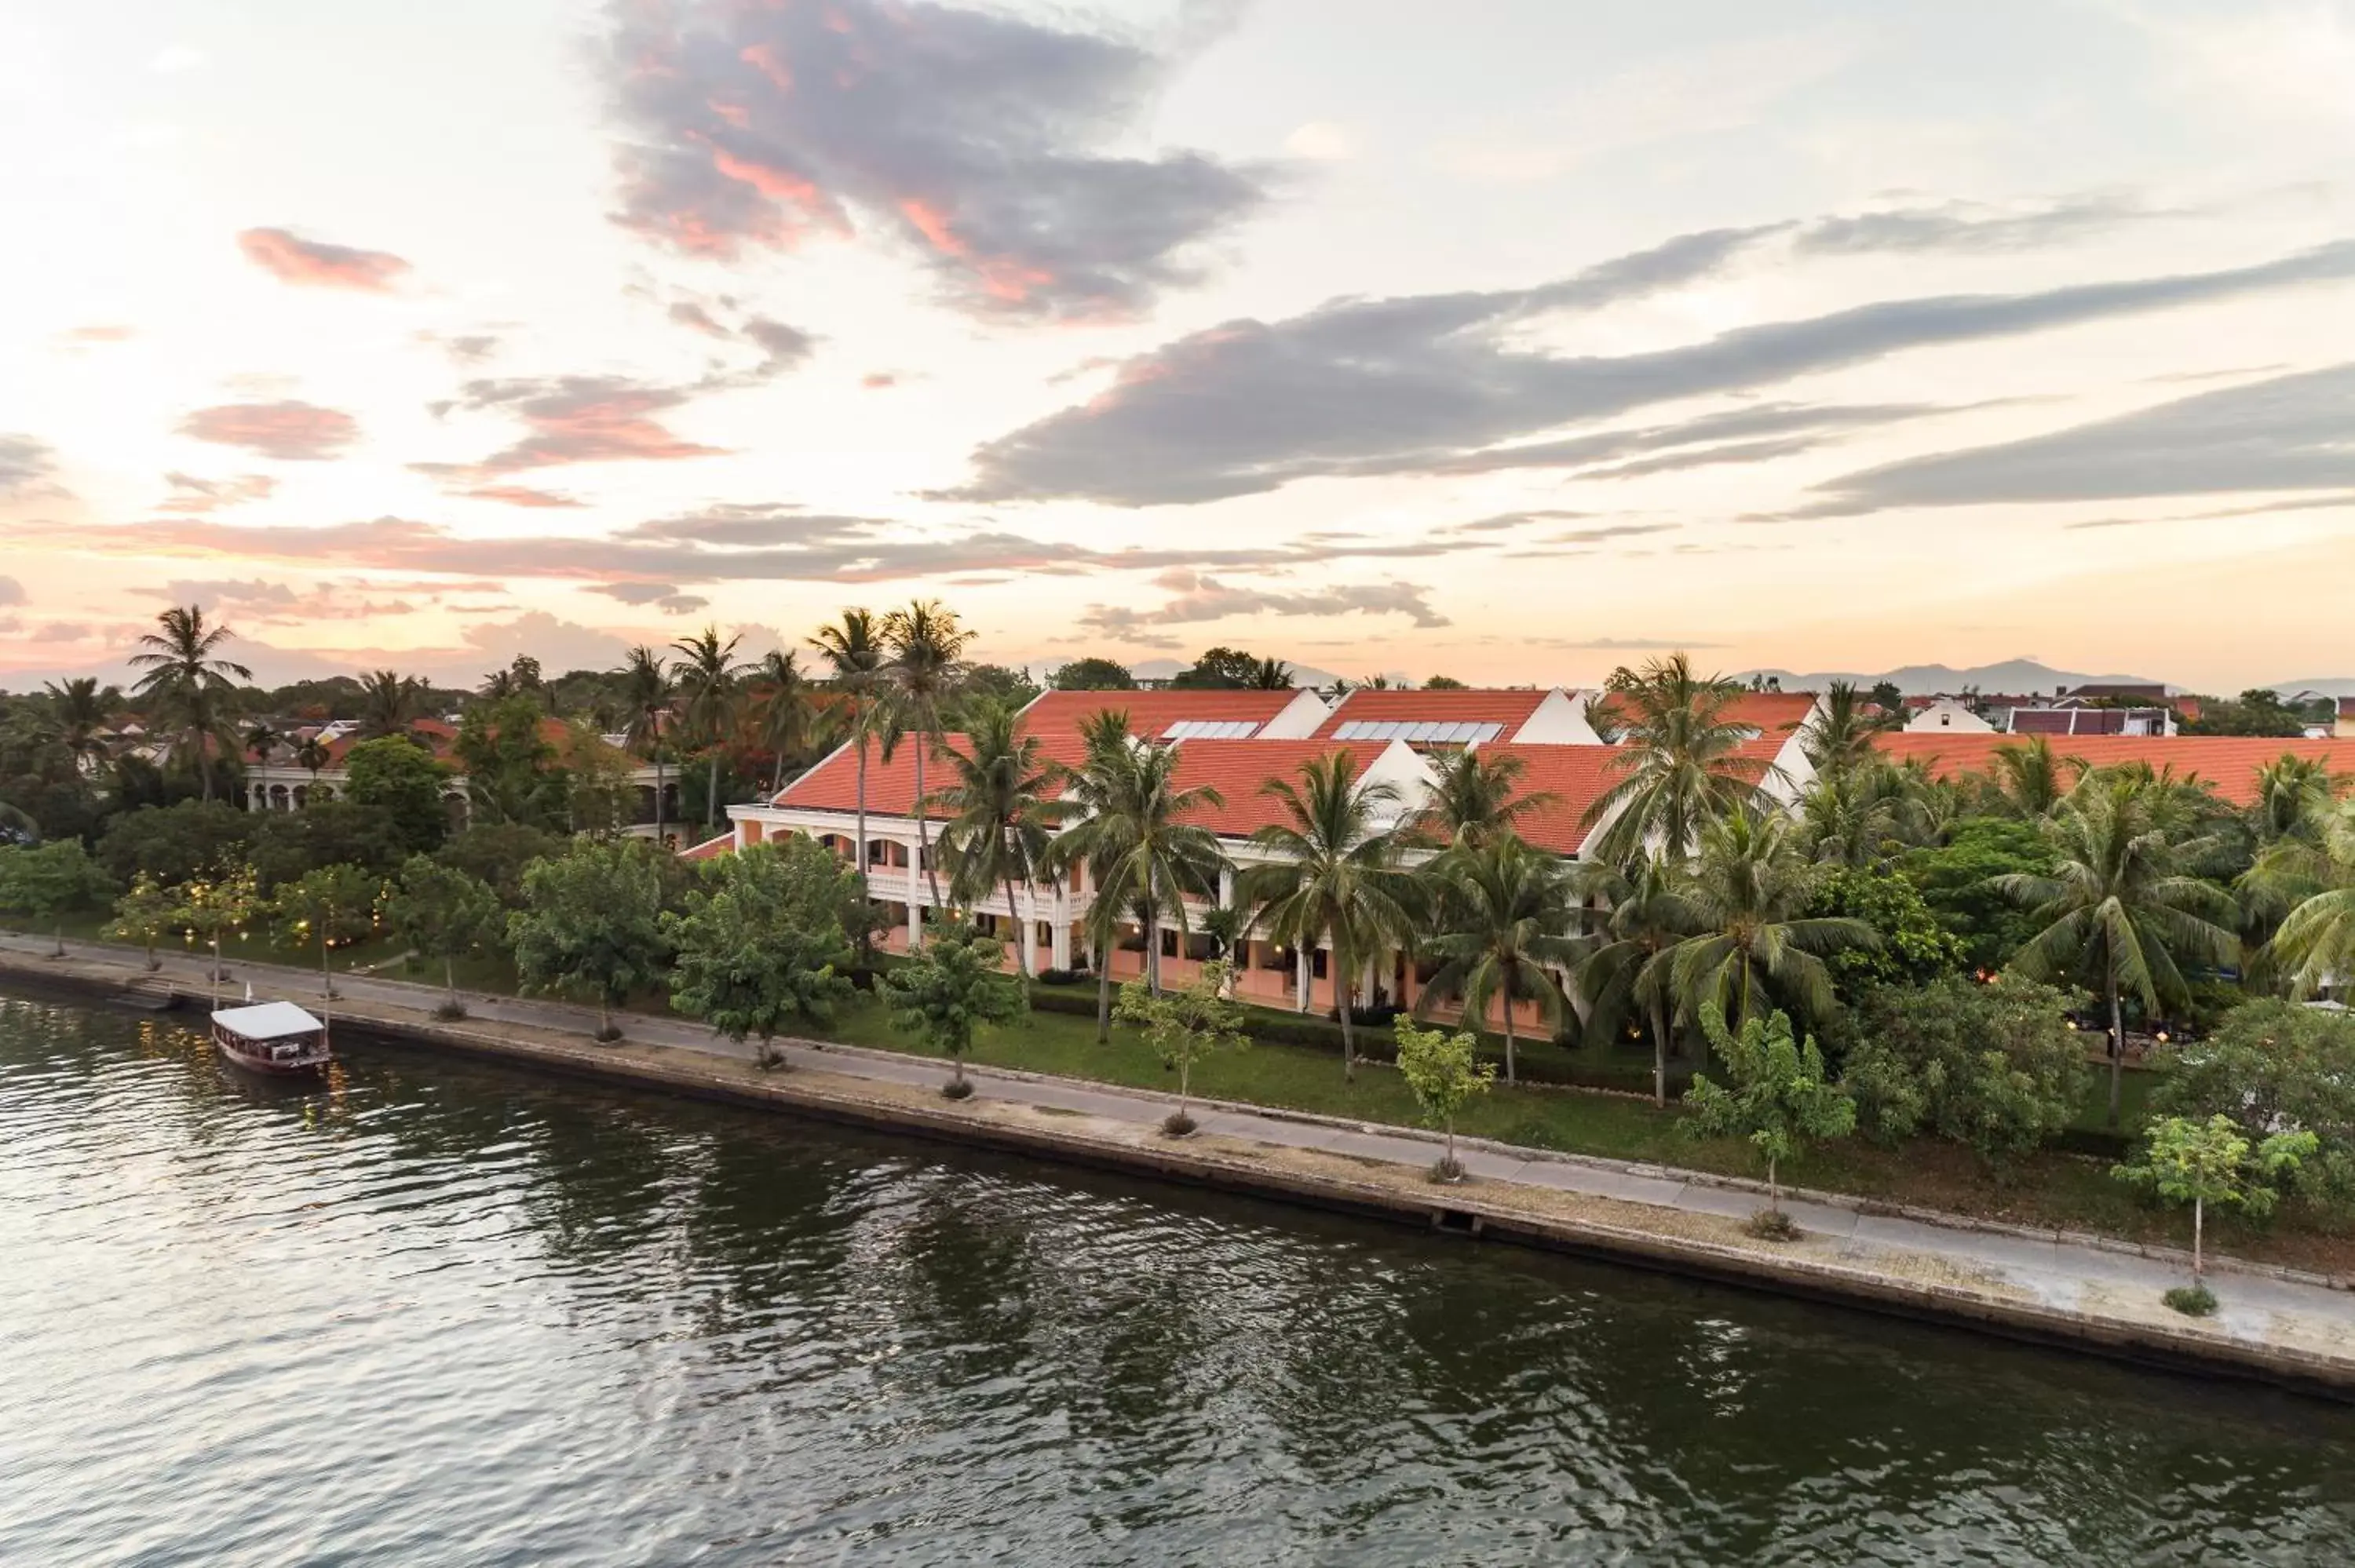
(275, 1037)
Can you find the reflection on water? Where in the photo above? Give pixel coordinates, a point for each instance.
(433, 1314)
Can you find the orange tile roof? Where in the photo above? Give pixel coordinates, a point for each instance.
(833, 784)
(1776, 716)
(2230, 762)
(1574, 776)
(1511, 709)
(1150, 713)
(1239, 769)
(711, 849)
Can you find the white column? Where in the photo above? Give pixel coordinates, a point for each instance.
(1301, 969)
(1027, 912)
(1059, 935)
(915, 895)
(1226, 885)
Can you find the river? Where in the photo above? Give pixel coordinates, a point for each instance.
(437, 1314)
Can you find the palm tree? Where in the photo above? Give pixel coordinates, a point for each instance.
(1333, 874)
(1644, 914)
(1505, 933)
(1003, 820)
(647, 692)
(1476, 798)
(2026, 779)
(388, 702)
(1838, 737)
(925, 643)
(1271, 675)
(262, 739)
(1749, 885)
(2315, 943)
(790, 719)
(186, 676)
(81, 709)
(853, 648)
(311, 752)
(1859, 815)
(2294, 798)
(1680, 765)
(706, 675)
(1128, 830)
(2118, 905)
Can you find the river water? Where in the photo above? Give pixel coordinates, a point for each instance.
(434, 1314)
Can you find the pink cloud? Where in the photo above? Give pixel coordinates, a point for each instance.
(313, 263)
(520, 495)
(193, 497)
(291, 430)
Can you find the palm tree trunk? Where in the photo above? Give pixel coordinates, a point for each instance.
(777, 774)
(859, 854)
(1508, 1035)
(925, 825)
(2118, 1051)
(1659, 1054)
(1342, 991)
(1103, 998)
(712, 791)
(1021, 931)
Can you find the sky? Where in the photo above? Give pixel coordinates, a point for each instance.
(1511, 340)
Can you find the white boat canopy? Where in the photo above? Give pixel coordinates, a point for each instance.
(269, 1020)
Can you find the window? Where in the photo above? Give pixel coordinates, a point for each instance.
(1420, 732)
(1211, 729)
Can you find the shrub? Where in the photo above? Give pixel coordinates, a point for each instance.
(1060, 977)
(1995, 1067)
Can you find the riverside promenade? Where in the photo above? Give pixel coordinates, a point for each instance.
(2091, 1293)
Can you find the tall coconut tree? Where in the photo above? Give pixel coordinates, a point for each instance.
(707, 676)
(2294, 799)
(1128, 828)
(81, 707)
(1635, 919)
(2315, 946)
(1837, 738)
(1680, 765)
(1002, 817)
(925, 646)
(2030, 778)
(389, 703)
(853, 650)
(2119, 907)
(1332, 876)
(1505, 933)
(646, 694)
(189, 680)
(310, 753)
(1752, 941)
(789, 717)
(1475, 795)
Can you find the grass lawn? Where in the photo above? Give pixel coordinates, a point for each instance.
(2051, 1189)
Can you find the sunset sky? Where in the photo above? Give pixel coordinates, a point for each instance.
(1509, 339)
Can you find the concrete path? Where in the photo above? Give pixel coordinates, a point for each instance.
(2063, 1275)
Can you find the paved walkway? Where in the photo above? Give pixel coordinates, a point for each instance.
(2063, 1275)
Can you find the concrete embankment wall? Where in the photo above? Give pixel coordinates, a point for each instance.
(1494, 1210)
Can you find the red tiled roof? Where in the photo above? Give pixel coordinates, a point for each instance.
(1512, 709)
(1574, 775)
(2230, 762)
(712, 849)
(1776, 716)
(1238, 770)
(833, 784)
(1150, 713)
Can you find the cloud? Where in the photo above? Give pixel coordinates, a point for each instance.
(2264, 509)
(314, 263)
(12, 592)
(992, 147)
(193, 497)
(878, 380)
(85, 337)
(520, 495)
(788, 346)
(636, 593)
(232, 594)
(289, 429)
(2290, 432)
(24, 463)
(689, 314)
(1198, 598)
(1968, 226)
(1437, 382)
(465, 348)
(575, 419)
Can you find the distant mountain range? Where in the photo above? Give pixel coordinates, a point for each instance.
(2018, 677)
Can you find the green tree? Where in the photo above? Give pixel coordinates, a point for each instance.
(1777, 1097)
(312, 754)
(1182, 1025)
(1001, 818)
(2029, 779)
(926, 646)
(188, 680)
(853, 650)
(1505, 915)
(790, 721)
(1443, 683)
(2258, 711)
(1993, 1067)
(944, 994)
(709, 681)
(510, 766)
(1748, 893)
(497, 854)
(1839, 736)
(1219, 669)
(2201, 1163)
(1129, 832)
(399, 781)
(1477, 796)
(1333, 876)
(144, 915)
(2273, 1067)
(1629, 968)
(332, 905)
(647, 690)
(1678, 765)
(442, 913)
(389, 703)
(591, 925)
(49, 882)
(1914, 947)
(1957, 881)
(762, 941)
(1443, 1072)
(286, 844)
(2118, 906)
(211, 907)
(1092, 674)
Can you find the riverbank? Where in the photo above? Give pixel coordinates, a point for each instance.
(2077, 1291)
